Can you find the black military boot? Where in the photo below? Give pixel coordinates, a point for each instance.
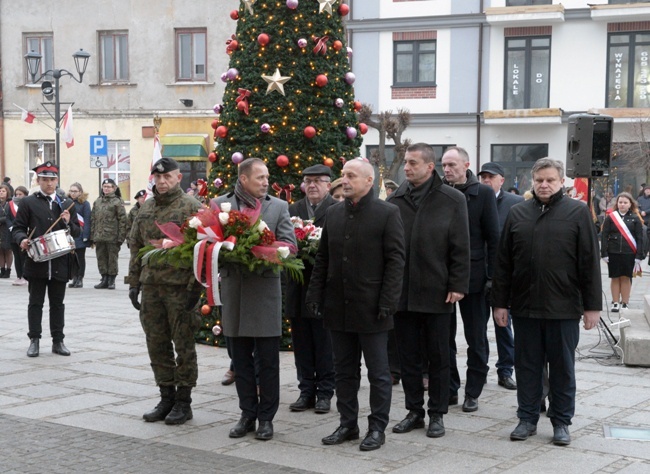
(182, 410)
(111, 282)
(167, 397)
(73, 283)
(3, 272)
(79, 283)
(103, 283)
(7, 273)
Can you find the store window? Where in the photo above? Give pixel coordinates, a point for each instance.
(119, 166)
(628, 70)
(517, 161)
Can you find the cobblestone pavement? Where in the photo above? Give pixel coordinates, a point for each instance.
(83, 413)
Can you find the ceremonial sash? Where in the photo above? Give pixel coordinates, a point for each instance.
(80, 218)
(13, 207)
(622, 228)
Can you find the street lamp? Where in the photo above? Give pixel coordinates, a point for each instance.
(33, 60)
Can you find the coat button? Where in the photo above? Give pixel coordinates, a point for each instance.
(350, 216)
(347, 236)
(345, 259)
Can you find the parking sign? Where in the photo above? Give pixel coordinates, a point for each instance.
(98, 145)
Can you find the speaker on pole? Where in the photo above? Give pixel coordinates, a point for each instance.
(589, 145)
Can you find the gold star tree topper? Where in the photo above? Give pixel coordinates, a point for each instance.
(326, 5)
(276, 82)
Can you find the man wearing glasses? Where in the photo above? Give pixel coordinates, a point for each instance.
(312, 344)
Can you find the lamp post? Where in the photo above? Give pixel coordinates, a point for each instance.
(33, 60)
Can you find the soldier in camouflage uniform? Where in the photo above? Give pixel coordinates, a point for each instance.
(139, 197)
(108, 231)
(169, 298)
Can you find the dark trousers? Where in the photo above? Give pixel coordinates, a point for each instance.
(265, 406)
(81, 259)
(55, 294)
(539, 341)
(348, 347)
(393, 355)
(505, 349)
(312, 350)
(19, 259)
(474, 312)
(409, 328)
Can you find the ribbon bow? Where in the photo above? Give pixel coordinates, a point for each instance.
(206, 252)
(286, 189)
(321, 44)
(244, 94)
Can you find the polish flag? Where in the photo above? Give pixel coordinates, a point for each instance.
(157, 154)
(80, 218)
(27, 117)
(67, 134)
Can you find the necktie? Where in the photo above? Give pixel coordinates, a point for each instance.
(49, 201)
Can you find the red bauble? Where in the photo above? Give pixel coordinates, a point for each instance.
(212, 157)
(241, 106)
(344, 9)
(357, 105)
(205, 309)
(309, 132)
(221, 131)
(328, 162)
(263, 39)
(282, 161)
(363, 128)
(215, 124)
(232, 46)
(337, 45)
(321, 80)
(234, 15)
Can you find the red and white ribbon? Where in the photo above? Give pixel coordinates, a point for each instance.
(206, 253)
(622, 228)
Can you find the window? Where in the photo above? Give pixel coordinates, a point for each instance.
(38, 152)
(528, 64)
(521, 3)
(41, 43)
(114, 56)
(191, 171)
(517, 161)
(620, 2)
(628, 69)
(119, 166)
(414, 63)
(191, 55)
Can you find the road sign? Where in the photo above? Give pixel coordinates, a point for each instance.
(98, 145)
(99, 161)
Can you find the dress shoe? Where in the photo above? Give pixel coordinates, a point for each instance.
(59, 348)
(470, 404)
(453, 400)
(372, 441)
(411, 422)
(228, 378)
(507, 382)
(340, 435)
(33, 347)
(436, 427)
(523, 430)
(561, 436)
(323, 405)
(303, 403)
(243, 426)
(264, 431)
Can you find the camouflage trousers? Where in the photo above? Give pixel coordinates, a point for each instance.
(168, 326)
(107, 253)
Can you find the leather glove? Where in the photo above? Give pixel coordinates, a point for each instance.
(133, 296)
(606, 259)
(193, 298)
(314, 309)
(383, 313)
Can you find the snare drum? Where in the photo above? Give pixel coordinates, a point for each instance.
(49, 246)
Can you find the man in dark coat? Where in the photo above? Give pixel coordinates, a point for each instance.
(548, 287)
(312, 343)
(36, 214)
(355, 283)
(483, 238)
(492, 174)
(436, 276)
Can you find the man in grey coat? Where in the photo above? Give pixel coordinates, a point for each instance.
(252, 308)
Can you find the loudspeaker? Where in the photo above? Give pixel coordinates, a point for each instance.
(589, 147)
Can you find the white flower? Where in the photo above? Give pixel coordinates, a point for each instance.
(297, 222)
(194, 222)
(283, 252)
(223, 217)
(225, 207)
(262, 227)
(315, 234)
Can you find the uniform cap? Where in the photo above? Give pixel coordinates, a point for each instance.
(140, 193)
(164, 165)
(109, 181)
(46, 170)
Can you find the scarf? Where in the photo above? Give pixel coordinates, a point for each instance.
(244, 197)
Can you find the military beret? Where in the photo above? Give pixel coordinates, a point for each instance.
(47, 170)
(140, 193)
(164, 165)
(109, 181)
(492, 168)
(317, 170)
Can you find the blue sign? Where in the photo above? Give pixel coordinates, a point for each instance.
(98, 145)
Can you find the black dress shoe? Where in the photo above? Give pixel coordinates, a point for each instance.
(323, 405)
(33, 347)
(228, 378)
(243, 426)
(507, 382)
(561, 436)
(523, 430)
(59, 348)
(303, 403)
(436, 427)
(453, 400)
(411, 422)
(264, 431)
(470, 404)
(372, 441)
(341, 435)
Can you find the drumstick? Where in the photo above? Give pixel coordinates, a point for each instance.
(56, 221)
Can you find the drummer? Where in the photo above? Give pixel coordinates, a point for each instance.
(36, 214)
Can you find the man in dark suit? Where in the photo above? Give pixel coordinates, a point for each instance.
(312, 343)
(492, 174)
(483, 238)
(355, 282)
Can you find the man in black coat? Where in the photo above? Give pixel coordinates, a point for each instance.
(355, 283)
(492, 174)
(312, 343)
(37, 212)
(436, 276)
(483, 238)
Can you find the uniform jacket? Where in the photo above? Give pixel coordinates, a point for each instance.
(436, 237)
(130, 218)
(108, 220)
(295, 297)
(252, 302)
(359, 265)
(505, 201)
(34, 213)
(614, 242)
(82, 206)
(547, 265)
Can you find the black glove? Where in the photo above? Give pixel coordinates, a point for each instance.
(314, 309)
(487, 290)
(383, 313)
(193, 298)
(133, 296)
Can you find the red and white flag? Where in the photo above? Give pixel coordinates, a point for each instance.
(27, 117)
(157, 154)
(66, 132)
(80, 218)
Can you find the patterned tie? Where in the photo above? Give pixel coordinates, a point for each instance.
(49, 201)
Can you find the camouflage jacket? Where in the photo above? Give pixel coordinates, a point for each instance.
(173, 206)
(131, 218)
(108, 219)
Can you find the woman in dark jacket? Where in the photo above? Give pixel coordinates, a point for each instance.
(19, 255)
(82, 206)
(6, 257)
(622, 247)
